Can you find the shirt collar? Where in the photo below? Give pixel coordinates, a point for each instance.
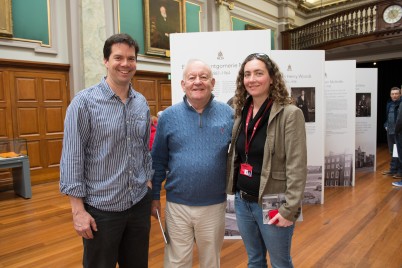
(109, 93)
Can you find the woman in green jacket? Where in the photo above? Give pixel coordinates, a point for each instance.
(269, 159)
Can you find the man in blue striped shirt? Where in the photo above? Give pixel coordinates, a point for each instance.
(106, 165)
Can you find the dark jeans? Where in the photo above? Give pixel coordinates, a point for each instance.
(395, 166)
(122, 237)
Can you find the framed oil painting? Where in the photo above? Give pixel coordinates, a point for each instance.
(6, 24)
(252, 27)
(162, 17)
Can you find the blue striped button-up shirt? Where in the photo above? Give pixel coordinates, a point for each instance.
(105, 158)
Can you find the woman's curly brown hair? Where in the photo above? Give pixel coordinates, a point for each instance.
(277, 90)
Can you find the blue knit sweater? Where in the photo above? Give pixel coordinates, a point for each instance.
(191, 150)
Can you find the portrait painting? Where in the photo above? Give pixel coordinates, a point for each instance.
(162, 18)
(6, 25)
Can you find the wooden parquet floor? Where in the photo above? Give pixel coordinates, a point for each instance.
(357, 226)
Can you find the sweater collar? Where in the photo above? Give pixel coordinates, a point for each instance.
(188, 104)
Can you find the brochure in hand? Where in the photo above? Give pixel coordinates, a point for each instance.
(164, 234)
(270, 205)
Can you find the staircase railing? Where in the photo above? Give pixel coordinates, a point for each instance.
(351, 26)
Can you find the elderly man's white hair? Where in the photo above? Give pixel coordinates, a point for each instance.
(190, 62)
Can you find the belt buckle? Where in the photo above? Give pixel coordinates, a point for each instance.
(242, 194)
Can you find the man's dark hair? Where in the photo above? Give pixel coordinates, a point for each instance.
(117, 39)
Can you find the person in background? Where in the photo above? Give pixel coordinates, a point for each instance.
(398, 140)
(389, 125)
(190, 151)
(154, 124)
(106, 167)
(268, 155)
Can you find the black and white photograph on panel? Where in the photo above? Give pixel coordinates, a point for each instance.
(338, 169)
(313, 190)
(363, 104)
(365, 159)
(304, 98)
(231, 229)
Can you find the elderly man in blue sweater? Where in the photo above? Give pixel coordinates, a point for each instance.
(190, 151)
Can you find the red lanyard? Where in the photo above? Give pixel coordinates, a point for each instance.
(250, 111)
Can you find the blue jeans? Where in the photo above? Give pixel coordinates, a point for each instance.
(122, 237)
(395, 166)
(259, 237)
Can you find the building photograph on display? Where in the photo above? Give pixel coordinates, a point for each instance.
(338, 169)
(231, 229)
(304, 98)
(364, 160)
(313, 190)
(363, 104)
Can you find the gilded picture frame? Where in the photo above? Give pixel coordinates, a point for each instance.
(161, 18)
(6, 22)
(252, 27)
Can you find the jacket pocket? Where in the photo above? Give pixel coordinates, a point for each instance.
(277, 184)
(279, 175)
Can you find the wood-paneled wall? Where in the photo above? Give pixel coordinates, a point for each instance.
(156, 88)
(33, 102)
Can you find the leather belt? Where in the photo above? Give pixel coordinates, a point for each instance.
(248, 197)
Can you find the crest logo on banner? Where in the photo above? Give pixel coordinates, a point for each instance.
(220, 56)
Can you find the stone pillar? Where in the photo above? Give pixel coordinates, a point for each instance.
(287, 14)
(93, 37)
(224, 18)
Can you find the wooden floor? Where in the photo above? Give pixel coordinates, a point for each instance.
(358, 226)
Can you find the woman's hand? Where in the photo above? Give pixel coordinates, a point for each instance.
(282, 221)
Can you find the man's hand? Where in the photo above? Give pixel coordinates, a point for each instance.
(156, 205)
(84, 223)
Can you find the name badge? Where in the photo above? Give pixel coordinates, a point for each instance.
(246, 170)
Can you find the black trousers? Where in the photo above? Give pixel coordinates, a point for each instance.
(122, 237)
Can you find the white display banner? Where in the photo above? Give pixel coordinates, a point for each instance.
(223, 51)
(340, 107)
(366, 119)
(303, 71)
